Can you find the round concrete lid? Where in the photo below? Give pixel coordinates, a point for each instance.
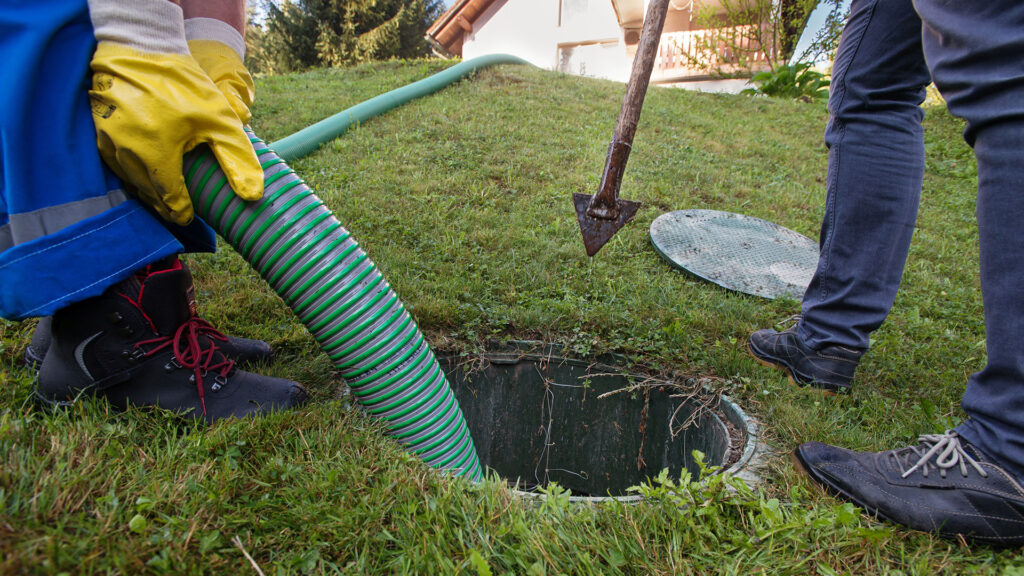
(737, 252)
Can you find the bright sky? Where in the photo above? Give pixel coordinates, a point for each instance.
(815, 22)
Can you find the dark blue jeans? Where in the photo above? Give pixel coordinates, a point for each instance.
(974, 52)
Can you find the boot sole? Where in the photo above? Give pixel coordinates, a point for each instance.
(32, 360)
(51, 403)
(827, 390)
(45, 403)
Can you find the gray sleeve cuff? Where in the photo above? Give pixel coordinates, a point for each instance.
(155, 26)
(213, 29)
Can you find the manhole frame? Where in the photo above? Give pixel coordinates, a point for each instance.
(746, 467)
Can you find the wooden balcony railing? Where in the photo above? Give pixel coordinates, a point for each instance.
(699, 52)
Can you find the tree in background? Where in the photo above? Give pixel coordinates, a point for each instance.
(822, 48)
(299, 34)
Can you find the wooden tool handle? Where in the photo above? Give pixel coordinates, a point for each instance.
(605, 203)
(643, 64)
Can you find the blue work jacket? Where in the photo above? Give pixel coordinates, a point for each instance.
(68, 229)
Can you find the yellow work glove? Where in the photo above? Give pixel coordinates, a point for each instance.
(152, 103)
(220, 50)
(227, 71)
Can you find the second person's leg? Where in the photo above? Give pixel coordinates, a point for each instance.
(875, 170)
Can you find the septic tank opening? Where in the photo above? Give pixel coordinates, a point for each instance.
(592, 427)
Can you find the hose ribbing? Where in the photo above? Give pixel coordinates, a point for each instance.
(297, 245)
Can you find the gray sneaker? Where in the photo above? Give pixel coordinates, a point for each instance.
(830, 368)
(943, 484)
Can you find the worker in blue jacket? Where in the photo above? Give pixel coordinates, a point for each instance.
(99, 102)
(966, 481)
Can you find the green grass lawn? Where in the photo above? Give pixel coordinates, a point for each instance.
(463, 199)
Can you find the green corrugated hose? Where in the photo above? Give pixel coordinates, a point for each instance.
(297, 245)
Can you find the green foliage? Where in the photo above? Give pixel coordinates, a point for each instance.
(793, 81)
(301, 34)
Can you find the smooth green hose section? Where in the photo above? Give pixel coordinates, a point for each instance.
(297, 245)
(308, 139)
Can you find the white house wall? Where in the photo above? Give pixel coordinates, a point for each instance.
(530, 29)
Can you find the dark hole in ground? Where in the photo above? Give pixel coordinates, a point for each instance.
(592, 428)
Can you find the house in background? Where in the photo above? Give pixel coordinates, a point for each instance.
(598, 38)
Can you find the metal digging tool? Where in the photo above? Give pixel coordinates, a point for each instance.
(601, 215)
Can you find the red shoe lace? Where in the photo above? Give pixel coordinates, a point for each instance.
(188, 352)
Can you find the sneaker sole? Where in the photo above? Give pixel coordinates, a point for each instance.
(827, 488)
(823, 486)
(828, 389)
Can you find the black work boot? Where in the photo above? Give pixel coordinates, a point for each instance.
(242, 350)
(140, 343)
(830, 368)
(943, 484)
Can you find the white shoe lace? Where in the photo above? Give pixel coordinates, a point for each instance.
(787, 323)
(948, 453)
